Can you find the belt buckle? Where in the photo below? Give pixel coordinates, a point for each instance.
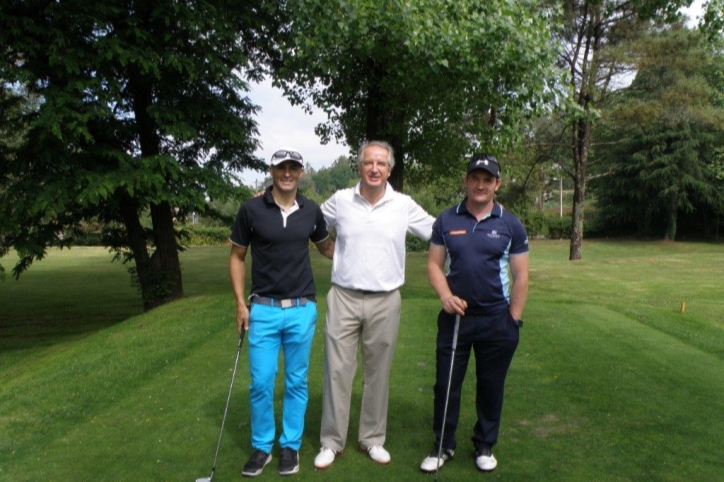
(287, 303)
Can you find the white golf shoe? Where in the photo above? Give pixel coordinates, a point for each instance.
(485, 460)
(324, 458)
(431, 463)
(379, 454)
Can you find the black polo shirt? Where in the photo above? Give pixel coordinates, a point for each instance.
(479, 255)
(280, 266)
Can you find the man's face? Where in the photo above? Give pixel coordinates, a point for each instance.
(286, 176)
(374, 170)
(481, 186)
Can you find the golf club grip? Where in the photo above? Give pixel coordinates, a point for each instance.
(457, 328)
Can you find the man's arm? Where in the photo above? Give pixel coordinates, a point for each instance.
(237, 274)
(519, 291)
(419, 222)
(326, 247)
(436, 275)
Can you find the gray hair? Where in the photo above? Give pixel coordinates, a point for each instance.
(384, 145)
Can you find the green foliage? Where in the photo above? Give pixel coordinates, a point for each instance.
(596, 36)
(546, 226)
(413, 244)
(139, 108)
(430, 76)
(436, 193)
(667, 130)
(340, 175)
(206, 236)
(85, 236)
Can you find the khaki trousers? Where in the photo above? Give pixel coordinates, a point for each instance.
(370, 320)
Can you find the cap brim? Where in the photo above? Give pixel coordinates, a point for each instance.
(276, 162)
(495, 173)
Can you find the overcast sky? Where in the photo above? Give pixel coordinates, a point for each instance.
(694, 12)
(283, 125)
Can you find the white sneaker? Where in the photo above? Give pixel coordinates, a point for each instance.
(379, 454)
(485, 460)
(324, 458)
(430, 463)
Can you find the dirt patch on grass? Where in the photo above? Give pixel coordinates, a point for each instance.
(552, 424)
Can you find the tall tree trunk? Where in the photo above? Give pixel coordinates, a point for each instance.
(136, 238)
(165, 263)
(160, 275)
(380, 126)
(397, 176)
(585, 66)
(671, 217)
(580, 155)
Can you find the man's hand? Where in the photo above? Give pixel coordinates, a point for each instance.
(242, 317)
(452, 304)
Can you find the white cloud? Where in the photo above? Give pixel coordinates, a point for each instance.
(283, 125)
(694, 11)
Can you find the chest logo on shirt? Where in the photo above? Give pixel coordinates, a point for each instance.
(493, 234)
(459, 232)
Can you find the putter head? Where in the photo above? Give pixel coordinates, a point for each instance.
(204, 479)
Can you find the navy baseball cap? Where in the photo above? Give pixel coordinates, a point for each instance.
(485, 162)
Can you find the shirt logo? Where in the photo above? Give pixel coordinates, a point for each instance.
(493, 234)
(458, 232)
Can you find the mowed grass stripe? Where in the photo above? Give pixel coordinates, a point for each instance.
(610, 382)
(634, 400)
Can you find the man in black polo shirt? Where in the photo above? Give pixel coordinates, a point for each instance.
(487, 285)
(278, 227)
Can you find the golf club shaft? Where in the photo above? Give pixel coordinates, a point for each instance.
(228, 399)
(447, 394)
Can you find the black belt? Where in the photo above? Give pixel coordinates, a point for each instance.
(286, 303)
(365, 292)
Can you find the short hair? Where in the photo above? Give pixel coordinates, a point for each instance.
(383, 145)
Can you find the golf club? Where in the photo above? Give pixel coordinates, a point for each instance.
(447, 395)
(226, 409)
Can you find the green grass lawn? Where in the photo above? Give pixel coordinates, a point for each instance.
(611, 381)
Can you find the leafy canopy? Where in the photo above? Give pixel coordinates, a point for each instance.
(432, 75)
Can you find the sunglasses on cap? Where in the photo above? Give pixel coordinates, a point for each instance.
(486, 158)
(290, 154)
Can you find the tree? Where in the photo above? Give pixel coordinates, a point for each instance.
(712, 26)
(337, 176)
(596, 34)
(664, 131)
(432, 77)
(141, 110)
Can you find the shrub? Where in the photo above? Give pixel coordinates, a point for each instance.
(415, 244)
(205, 236)
(546, 226)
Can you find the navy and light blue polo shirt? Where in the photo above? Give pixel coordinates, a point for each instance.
(479, 255)
(280, 266)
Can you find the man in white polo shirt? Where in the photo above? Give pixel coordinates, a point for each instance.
(363, 305)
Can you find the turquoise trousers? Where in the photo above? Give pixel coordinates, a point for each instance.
(272, 328)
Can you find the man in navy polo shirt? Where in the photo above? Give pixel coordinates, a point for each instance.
(278, 226)
(487, 285)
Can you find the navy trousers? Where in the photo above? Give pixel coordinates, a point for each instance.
(493, 339)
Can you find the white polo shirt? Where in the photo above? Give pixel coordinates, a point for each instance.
(369, 253)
